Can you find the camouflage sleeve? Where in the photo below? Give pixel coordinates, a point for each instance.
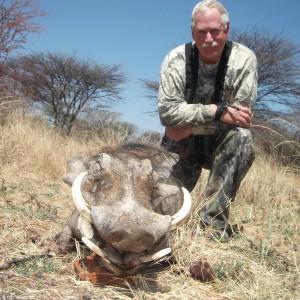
(172, 106)
(242, 76)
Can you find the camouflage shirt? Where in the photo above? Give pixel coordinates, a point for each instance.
(240, 80)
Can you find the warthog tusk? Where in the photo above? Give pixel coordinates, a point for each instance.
(94, 247)
(80, 203)
(156, 255)
(103, 255)
(181, 216)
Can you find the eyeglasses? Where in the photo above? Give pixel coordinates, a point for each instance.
(212, 32)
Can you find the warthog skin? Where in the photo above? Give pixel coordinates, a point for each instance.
(132, 192)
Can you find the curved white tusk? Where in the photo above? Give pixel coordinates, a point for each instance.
(181, 216)
(156, 255)
(103, 255)
(94, 247)
(81, 205)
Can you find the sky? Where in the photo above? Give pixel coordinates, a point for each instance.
(138, 34)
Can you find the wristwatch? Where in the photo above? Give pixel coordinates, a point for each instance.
(221, 107)
(219, 111)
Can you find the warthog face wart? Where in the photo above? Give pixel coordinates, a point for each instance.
(127, 200)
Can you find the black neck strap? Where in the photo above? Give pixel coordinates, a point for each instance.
(192, 65)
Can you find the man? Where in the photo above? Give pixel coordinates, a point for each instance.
(209, 127)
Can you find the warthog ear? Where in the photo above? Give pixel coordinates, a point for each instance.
(76, 165)
(165, 167)
(69, 178)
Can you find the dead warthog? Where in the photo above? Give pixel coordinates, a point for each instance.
(128, 200)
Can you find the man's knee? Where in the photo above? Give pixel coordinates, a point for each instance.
(238, 142)
(245, 143)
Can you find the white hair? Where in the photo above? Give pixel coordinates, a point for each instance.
(204, 5)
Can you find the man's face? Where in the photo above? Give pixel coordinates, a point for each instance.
(209, 35)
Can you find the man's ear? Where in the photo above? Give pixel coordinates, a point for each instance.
(192, 31)
(228, 28)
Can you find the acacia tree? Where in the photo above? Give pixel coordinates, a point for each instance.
(151, 87)
(16, 22)
(278, 68)
(65, 85)
(107, 125)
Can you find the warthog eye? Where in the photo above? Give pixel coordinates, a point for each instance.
(103, 185)
(99, 184)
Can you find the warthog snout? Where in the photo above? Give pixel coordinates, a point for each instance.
(131, 239)
(128, 232)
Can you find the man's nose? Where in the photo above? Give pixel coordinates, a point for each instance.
(208, 37)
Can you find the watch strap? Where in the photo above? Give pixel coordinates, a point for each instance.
(219, 112)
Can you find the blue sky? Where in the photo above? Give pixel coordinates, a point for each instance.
(138, 34)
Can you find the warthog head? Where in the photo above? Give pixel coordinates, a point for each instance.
(128, 200)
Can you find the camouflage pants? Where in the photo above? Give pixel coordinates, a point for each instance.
(231, 155)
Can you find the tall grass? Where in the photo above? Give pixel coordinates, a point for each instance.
(30, 145)
(261, 262)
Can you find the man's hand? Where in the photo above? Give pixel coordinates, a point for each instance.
(178, 133)
(241, 117)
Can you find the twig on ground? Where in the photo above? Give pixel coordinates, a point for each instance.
(9, 263)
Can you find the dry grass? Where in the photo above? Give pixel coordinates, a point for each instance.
(261, 263)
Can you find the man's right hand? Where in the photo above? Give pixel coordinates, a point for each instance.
(241, 117)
